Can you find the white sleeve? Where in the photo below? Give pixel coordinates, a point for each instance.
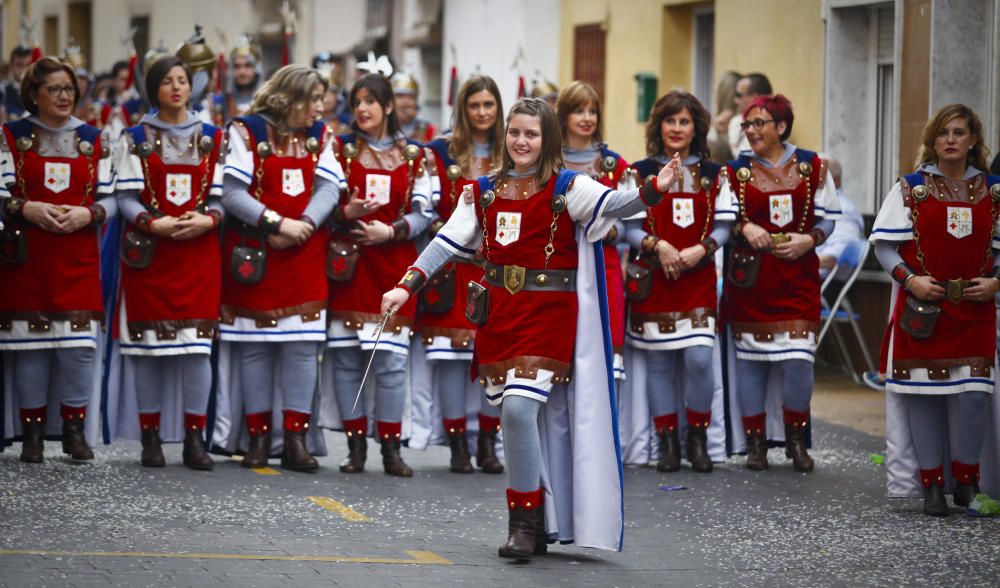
(6, 167)
(735, 133)
(128, 175)
(827, 203)
(894, 222)
(586, 199)
(462, 235)
(105, 168)
(239, 161)
(216, 188)
(727, 207)
(328, 166)
(423, 188)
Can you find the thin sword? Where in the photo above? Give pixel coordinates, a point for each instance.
(378, 336)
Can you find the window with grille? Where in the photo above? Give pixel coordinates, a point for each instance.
(588, 56)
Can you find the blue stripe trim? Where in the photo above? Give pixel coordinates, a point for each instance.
(236, 169)
(494, 396)
(538, 391)
(941, 384)
(49, 340)
(446, 350)
(331, 172)
(455, 245)
(302, 332)
(609, 362)
(741, 350)
(597, 210)
(11, 174)
(892, 231)
(385, 342)
(668, 340)
(171, 346)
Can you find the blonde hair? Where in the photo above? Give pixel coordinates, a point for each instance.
(460, 144)
(978, 156)
(576, 95)
(289, 86)
(726, 92)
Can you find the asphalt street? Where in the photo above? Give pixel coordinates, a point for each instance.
(113, 522)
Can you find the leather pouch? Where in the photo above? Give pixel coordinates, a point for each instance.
(438, 297)
(919, 318)
(743, 268)
(477, 304)
(638, 282)
(342, 260)
(13, 245)
(248, 264)
(137, 249)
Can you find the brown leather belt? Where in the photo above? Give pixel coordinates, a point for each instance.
(515, 278)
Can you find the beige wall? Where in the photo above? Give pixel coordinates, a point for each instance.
(784, 40)
(781, 38)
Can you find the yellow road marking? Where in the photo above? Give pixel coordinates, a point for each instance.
(415, 557)
(261, 471)
(343, 510)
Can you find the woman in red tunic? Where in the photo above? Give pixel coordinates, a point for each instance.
(787, 204)
(389, 204)
(56, 182)
(473, 148)
(935, 234)
(580, 118)
(672, 284)
(530, 219)
(169, 191)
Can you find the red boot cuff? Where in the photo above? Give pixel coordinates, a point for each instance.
(195, 422)
(387, 430)
(526, 500)
(296, 422)
(357, 426)
(796, 417)
(454, 425)
(258, 423)
(932, 477)
(756, 423)
(149, 420)
(699, 420)
(489, 424)
(34, 415)
(69, 413)
(964, 473)
(666, 422)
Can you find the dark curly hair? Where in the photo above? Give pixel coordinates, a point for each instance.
(669, 105)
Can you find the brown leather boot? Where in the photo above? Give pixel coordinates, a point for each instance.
(357, 446)
(541, 536)
(390, 436)
(755, 427)
(259, 450)
(74, 442)
(966, 482)
(33, 434)
(670, 451)
(795, 440)
(935, 503)
(521, 524)
(152, 452)
(194, 455)
(697, 450)
(460, 461)
(295, 456)
(486, 445)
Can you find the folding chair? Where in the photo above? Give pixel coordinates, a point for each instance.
(841, 311)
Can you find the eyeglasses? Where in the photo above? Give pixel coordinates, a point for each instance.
(56, 91)
(757, 123)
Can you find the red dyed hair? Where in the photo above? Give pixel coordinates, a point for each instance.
(780, 109)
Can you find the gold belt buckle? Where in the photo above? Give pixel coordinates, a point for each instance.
(955, 288)
(779, 238)
(513, 278)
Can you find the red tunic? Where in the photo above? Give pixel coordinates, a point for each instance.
(786, 294)
(612, 264)
(184, 281)
(696, 288)
(530, 329)
(965, 333)
(379, 266)
(452, 323)
(61, 277)
(295, 280)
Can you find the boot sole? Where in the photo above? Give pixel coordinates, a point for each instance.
(305, 469)
(519, 555)
(32, 460)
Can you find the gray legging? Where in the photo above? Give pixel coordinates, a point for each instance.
(389, 373)
(929, 427)
(451, 380)
(699, 379)
(796, 392)
(194, 372)
(297, 377)
(522, 443)
(69, 371)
